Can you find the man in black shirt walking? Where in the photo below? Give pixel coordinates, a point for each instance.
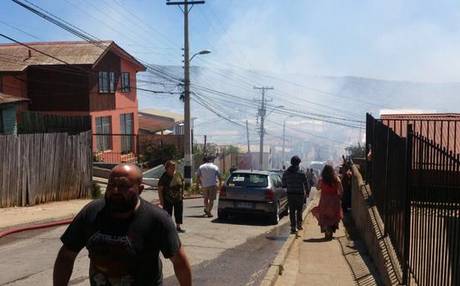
(295, 180)
(124, 235)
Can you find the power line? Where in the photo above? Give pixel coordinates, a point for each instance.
(20, 30)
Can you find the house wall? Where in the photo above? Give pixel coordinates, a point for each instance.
(58, 88)
(104, 101)
(115, 122)
(8, 113)
(126, 99)
(14, 84)
(126, 102)
(107, 104)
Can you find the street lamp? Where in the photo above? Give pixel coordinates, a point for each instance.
(202, 52)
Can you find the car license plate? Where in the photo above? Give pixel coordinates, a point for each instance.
(244, 205)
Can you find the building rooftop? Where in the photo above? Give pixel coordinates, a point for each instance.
(17, 57)
(162, 113)
(6, 98)
(421, 116)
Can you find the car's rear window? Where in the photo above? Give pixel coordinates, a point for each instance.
(248, 180)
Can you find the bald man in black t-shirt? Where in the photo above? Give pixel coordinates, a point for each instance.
(124, 235)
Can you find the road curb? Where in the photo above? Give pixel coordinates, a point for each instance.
(51, 222)
(277, 266)
(35, 226)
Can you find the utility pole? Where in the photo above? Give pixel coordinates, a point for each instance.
(205, 149)
(262, 113)
(187, 118)
(247, 136)
(284, 139)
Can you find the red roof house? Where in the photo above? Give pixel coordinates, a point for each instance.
(77, 78)
(442, 128)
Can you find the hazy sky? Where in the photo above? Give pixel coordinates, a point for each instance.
(413, 40)
(410, 40)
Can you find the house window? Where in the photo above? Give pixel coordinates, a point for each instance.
(103, 130)
(125, 84)
(126, 127)
(106, 82)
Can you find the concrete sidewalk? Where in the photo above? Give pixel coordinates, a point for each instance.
(315, 261)
(17, 216)
(54, 211)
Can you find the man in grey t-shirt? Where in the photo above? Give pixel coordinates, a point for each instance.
(208, 175)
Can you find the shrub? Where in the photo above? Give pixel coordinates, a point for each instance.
(95, 190)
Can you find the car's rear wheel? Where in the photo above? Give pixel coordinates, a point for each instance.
(274, 217)
(222, 215)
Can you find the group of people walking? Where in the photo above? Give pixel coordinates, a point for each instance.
(329, 210)
(333, 202)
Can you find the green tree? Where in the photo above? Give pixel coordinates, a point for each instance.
(356, 151)
(156, 155)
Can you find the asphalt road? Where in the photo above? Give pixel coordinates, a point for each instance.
(235, 252)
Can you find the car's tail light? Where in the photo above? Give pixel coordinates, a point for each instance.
(269, 195)
(223, 192)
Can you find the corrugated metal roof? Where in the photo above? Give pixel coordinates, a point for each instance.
(442, 128)
(15, 57)
(162, 113)
(6, 98)
(150, 124)
(422, 116)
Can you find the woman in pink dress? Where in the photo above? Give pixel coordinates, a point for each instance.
(329, 210)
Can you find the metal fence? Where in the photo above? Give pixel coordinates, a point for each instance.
(435, 213)
(388, 181)
(35, 122)
(415, 183)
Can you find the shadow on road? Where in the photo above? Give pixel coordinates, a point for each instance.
(243, 220)
(313, 240)
(196, 207)
(245, 264)
(196, 216)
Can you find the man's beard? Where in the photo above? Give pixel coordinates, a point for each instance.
(121, 204)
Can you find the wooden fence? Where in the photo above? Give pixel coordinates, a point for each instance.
(35, 122)
(38, 168)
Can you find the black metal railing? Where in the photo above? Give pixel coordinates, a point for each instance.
(115, 148)
(415, 184)
(387, 177)
(435, 213)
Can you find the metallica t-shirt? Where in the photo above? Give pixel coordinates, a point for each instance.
(123, 251)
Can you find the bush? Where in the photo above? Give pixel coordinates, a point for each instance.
(96, 192)
(156, 155)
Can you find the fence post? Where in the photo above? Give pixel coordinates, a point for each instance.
(387, 184)
(137, 151)
(407, 208)
(369, 121)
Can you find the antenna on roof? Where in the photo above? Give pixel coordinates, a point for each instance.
(29, 55)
